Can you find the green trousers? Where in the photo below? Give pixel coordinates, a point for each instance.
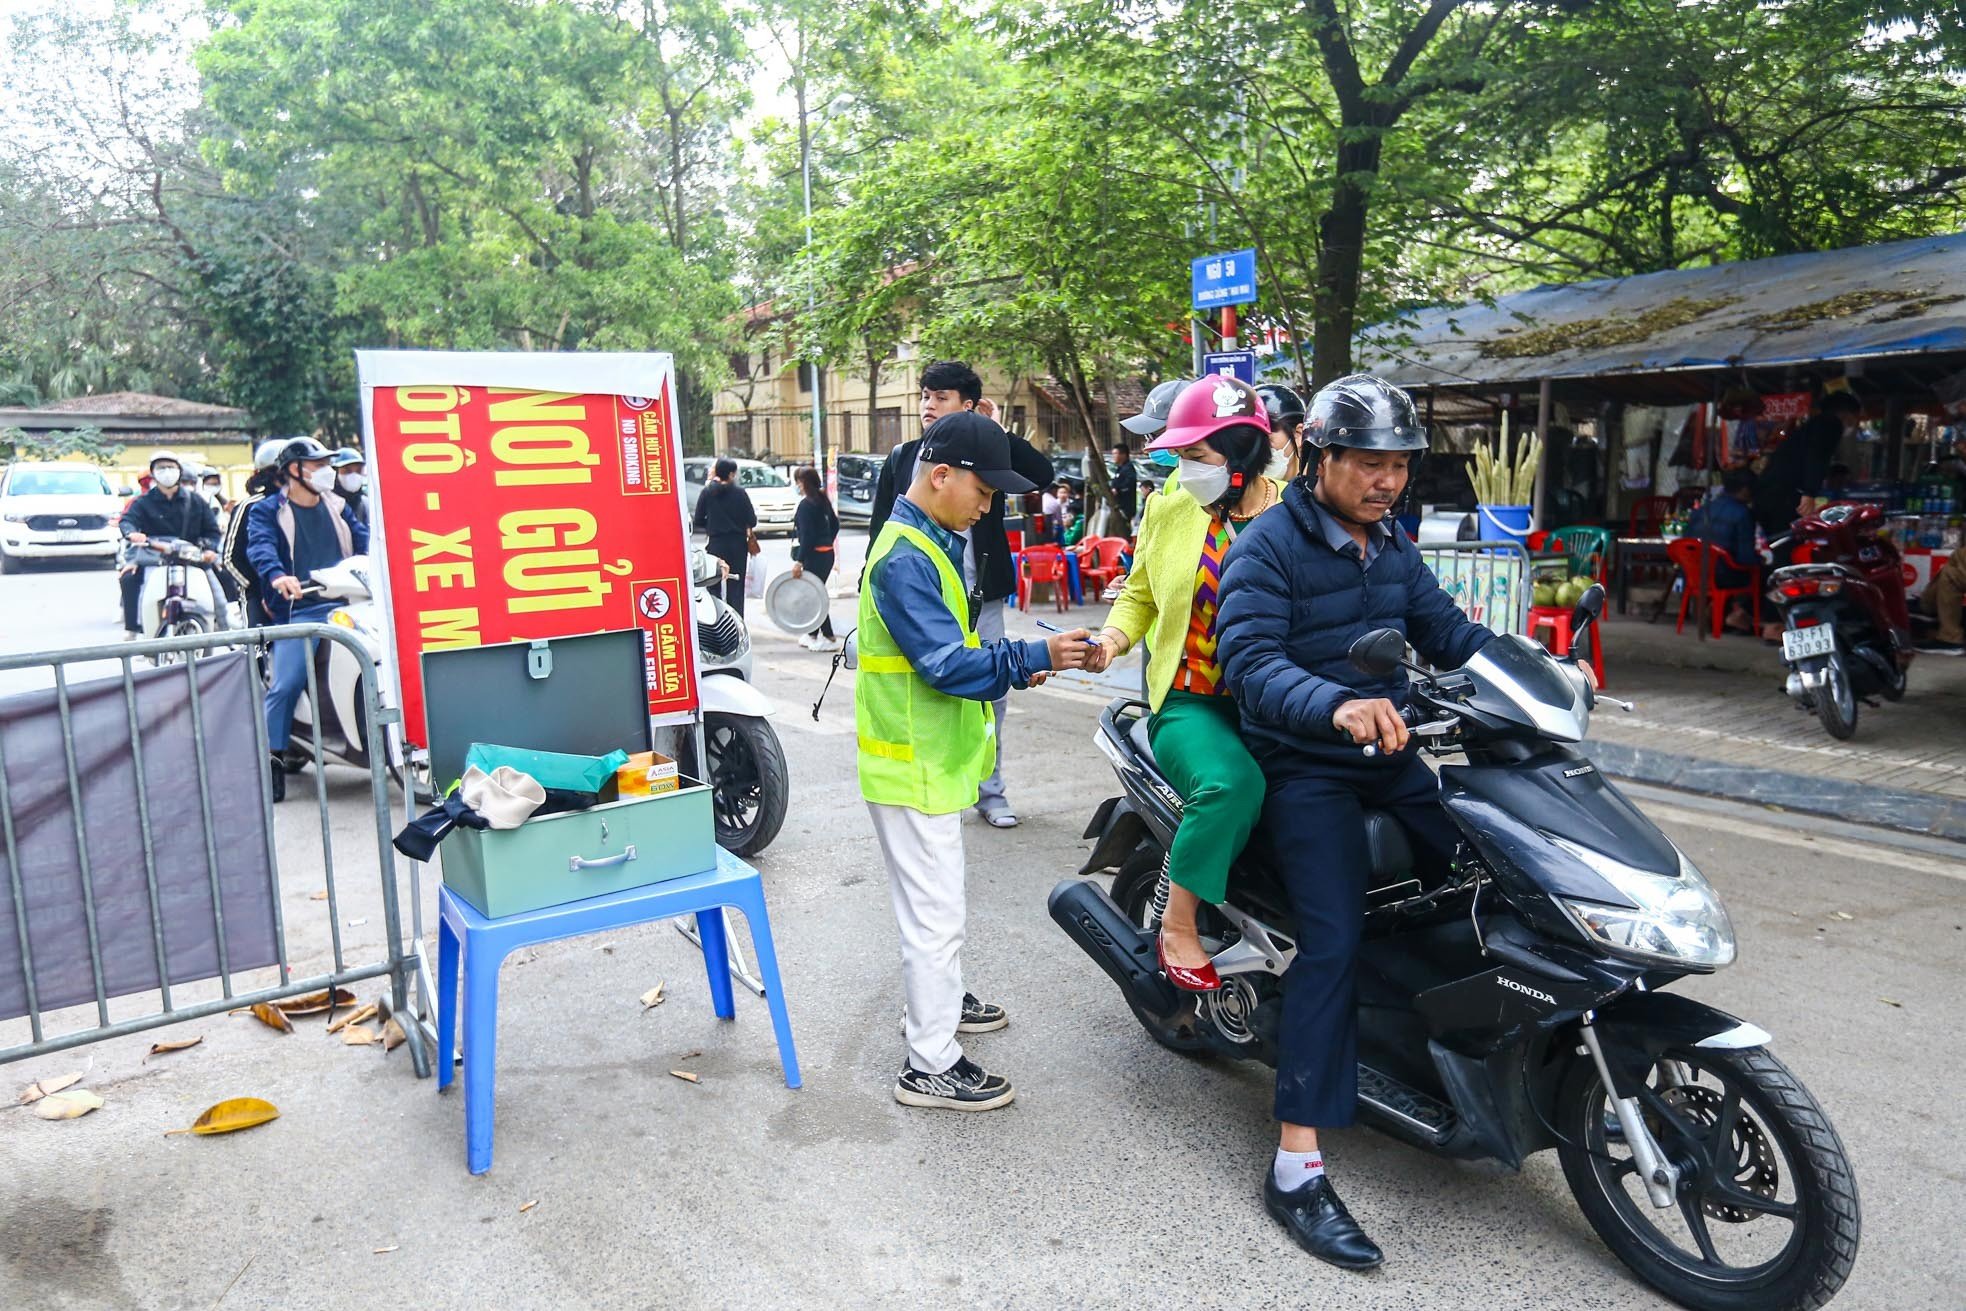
(1199, 746)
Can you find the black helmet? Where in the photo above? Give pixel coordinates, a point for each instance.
(1364, 412)
(300, 448)
(1285, 406)
(1153, 415)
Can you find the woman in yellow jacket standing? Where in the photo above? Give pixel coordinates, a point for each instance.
(1230, 472)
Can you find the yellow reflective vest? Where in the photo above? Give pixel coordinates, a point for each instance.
(919, 748)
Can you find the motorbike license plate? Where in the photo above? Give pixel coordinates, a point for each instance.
(1802, 643)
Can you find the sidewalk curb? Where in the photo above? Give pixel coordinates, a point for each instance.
(1911, 812)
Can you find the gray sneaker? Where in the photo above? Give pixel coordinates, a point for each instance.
(964, 1086)
(978, 1016)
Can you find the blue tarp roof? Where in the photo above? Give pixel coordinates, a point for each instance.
(1903, 298)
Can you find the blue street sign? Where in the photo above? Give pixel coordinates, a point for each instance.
(1236, 364)
(1225, 279)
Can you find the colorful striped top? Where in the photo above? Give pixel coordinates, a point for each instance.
(1201, 668)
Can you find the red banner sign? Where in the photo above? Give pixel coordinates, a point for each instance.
(512, 515)
(1785, 407)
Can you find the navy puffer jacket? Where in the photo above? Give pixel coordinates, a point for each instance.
(1291, 609)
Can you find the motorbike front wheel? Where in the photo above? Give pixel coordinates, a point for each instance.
(1767, 1216)
(184, 626)
(748, 779)
(1836, 700)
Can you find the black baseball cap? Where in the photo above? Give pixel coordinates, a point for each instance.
(968, 440)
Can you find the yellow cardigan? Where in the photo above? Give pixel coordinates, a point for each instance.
(1159, 596)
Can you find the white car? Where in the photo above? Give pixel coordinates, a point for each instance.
(773, 497)
(56, 512)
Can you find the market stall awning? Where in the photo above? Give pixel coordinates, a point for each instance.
(1904, 301)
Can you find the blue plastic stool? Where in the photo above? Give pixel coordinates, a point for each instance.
(487, 942)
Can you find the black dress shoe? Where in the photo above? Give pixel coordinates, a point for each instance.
(1320, 1223)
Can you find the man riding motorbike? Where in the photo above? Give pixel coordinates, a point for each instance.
(302, 527)
(1299, 588)
(166, 509)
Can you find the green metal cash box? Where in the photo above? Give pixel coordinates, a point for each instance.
(583, 695)
(582, 853)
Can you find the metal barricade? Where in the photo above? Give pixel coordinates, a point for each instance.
(1490, 581)
(249, 961)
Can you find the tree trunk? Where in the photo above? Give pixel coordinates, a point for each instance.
(1341, 252)
(874, 359)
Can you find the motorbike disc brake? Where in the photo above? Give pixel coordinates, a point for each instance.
(1748, 1160)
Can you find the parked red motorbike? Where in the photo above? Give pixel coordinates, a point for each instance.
(1846, 629)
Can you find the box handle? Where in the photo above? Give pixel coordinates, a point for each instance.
(578, 863)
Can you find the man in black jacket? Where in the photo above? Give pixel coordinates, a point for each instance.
(949, 387)
(168, 509)
(1301, 584)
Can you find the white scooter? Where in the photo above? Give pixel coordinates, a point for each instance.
(338, 672)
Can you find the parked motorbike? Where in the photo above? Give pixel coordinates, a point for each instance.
(747, 772)
(1515, 1001)
(169, 607)
(1846, 626)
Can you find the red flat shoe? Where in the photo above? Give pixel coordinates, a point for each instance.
(1204, 979)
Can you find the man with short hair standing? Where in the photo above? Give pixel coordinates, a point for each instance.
(951, 387)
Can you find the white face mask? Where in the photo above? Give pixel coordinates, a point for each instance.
(1207, 483)
(352, 482)
(166, 476)
(1279, 465)
(321, 480)
(214, 490)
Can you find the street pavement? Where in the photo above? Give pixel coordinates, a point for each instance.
(1122, 1175)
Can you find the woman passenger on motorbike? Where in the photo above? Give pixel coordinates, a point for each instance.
(1221, 434)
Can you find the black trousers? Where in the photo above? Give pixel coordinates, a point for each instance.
(131, 586)
(1315, 816)
(738, 557)
(820, 565)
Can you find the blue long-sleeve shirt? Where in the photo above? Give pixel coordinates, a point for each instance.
(907, 590)
(1729, 524)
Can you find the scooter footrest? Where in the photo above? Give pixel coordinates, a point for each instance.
(1413, 1109)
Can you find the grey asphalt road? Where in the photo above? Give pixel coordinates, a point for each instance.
(1121, 1176)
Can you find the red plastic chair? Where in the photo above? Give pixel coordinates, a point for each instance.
(1557, 619)
(1099, 562)
(1648, 512)
(1042, 566)
(1685, 552)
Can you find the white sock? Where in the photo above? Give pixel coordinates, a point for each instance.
(1293, 1170)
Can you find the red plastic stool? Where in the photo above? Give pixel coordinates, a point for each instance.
(1557, 619)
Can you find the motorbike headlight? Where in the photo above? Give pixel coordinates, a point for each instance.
(1677, 920)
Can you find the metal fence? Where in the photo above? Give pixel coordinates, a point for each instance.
(141, 862)
(1490, 581)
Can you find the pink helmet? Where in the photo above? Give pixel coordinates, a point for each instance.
(1206, 408)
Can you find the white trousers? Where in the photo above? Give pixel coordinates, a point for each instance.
(924, 855)
(989, 627)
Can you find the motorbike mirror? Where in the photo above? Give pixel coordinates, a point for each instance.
(1590, 607)
(1380, 653)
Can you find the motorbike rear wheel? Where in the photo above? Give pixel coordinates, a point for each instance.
(1761, 1170)
(1836, 699)
(1133, 893)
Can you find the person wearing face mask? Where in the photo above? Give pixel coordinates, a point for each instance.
(302, 527)
(169, 508)
(351, 473)
(1286, 410)
(1218, 430)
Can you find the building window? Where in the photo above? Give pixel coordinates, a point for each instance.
(887, 428)
(805, 377)
(740, 365)
(764, 361)
(737, 434)
(1017, 418)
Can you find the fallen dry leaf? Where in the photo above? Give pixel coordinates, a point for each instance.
(393, 1035)
(177, 1045)
(652, 998)
(322, 895)
(686, 1076)
(231, 1115)
(359, 1035)
(353, 1017)
(67, 1105)
(529, 1206)
(316, 1002)
(393, 1247)
(35, 1091)
(272, 1017)
(690, 1055)
(1840, 915)
(1892, 1001)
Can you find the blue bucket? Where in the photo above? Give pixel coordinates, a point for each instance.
(1505, 523)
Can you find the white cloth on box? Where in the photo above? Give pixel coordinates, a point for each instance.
(924, 855)
(506, 796)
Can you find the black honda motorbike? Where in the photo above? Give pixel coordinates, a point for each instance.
(1516, 1000)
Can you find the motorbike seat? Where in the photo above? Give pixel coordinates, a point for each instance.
(1385, 839)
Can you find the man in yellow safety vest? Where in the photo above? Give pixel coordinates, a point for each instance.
(927, 739)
